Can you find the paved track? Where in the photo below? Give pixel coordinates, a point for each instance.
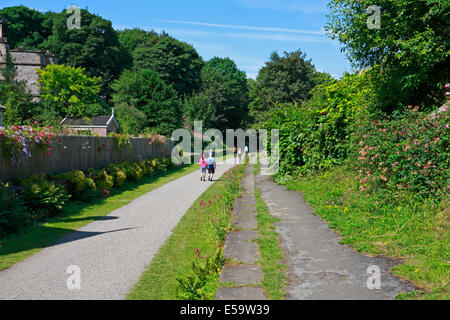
(111, 253)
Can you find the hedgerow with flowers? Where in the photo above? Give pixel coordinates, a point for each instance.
(17, 141)
(408, 152)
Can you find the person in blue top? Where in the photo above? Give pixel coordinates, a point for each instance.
(211, 162)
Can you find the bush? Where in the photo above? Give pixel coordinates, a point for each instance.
(13, 215)
(42, 198)
(74, 181)
(317, 135)
(102, 179)
(150, 168)
(119, 175)
(409, 151)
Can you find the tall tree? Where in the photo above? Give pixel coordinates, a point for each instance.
(69, 90)
(94, 47)
(26, 27)
(144, 90)
(411, 46)
(226, 88)
(286, 79)
(177, 62)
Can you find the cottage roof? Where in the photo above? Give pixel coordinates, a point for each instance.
(94, 122)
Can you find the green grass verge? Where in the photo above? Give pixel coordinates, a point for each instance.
(275, 279)
(175, 257)
(33, 239)
(403, 227)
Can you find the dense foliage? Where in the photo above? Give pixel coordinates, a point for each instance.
(145, 91)
(69, 91)
(28, 28)
(177, 62)
(411, 47)
(410, 151)
(94, 47)
(284, 79)
(224, 96)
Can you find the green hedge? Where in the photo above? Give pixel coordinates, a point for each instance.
(39, 197)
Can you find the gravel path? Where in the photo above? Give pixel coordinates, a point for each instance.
(111, 253)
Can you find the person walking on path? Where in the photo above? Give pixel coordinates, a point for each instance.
(240, 156)
(211, 166)
(203, 166)
(246, 151)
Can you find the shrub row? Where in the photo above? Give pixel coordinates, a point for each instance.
(39, 197)
(340, 125)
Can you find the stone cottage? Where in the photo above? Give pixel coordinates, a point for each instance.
(26, 62)
(100, 125)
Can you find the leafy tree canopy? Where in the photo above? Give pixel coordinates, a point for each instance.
(94, 47)
(132, 121)
(177, 62)
(287, 79)
(226, 88)
(26, 27)
(145, 91)
(411, 47)
(198, 108)
(69, 90)
(284, 79)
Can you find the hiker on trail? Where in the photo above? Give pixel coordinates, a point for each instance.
(240, 155)
(211, 167)
(246, 151)
(203, 166)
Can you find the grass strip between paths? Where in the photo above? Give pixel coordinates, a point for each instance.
(194, 236)
(275, 279)
(33, 239)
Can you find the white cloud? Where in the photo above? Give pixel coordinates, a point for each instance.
(238, 35)
(307, 6)
(244, 27)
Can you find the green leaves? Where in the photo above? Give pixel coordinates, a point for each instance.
(411, 48)
(145, 91)
(68, 89)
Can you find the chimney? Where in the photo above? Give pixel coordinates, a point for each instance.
(3, 31)
(3, 41)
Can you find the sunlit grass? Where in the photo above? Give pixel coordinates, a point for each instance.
(413, 230)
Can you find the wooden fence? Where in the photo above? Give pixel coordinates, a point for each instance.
(80, 153)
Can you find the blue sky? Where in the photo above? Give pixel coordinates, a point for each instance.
(247, 31)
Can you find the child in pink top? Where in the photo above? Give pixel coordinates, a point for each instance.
(203, 165)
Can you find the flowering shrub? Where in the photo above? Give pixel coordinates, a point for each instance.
(410, 152)
(16, 141)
